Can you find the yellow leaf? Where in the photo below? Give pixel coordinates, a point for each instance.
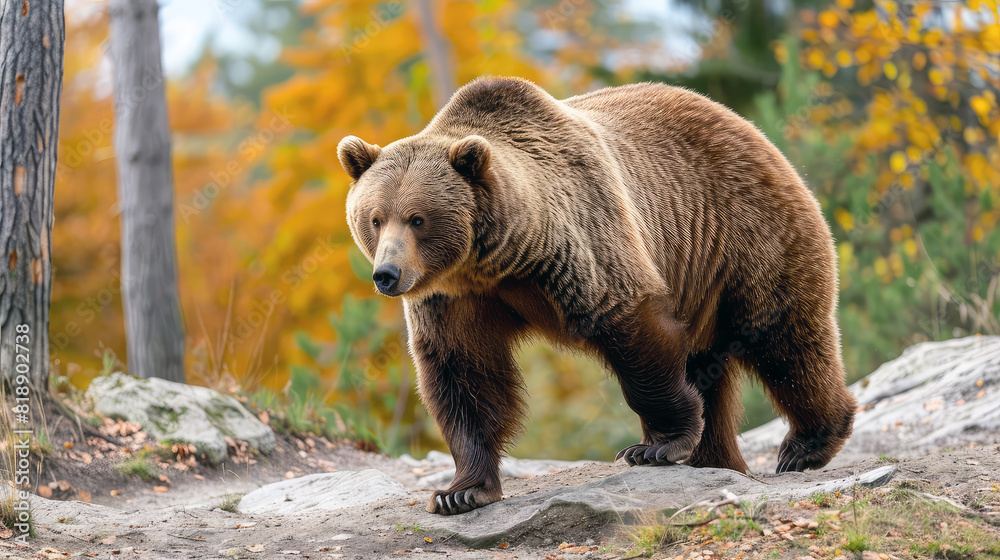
(896, 265)
(881, 267)
(980, 105)
(863, 55)
(919, 60)
(846, 4)
(845, 254)
(890, 70)
(905, 80)
(897, 162)
(910, 248)
(815, 58)
(829, 19)
(780, 52)
(990, 36)
(843, 58)
(936, 77)
(844, 218)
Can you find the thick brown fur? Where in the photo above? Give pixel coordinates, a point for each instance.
(644, 224)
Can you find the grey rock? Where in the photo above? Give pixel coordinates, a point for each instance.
(171, 411)
(321, 492)
(936, 394)
(576, 512)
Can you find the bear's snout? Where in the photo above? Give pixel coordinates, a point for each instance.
(386, 278)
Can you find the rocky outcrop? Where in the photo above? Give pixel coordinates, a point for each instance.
(937, 394)
(321, 492)
(175, 412)
(582, 510)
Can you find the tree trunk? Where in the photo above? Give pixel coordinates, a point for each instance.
(154, 329)
(31, 68)
(436, 50)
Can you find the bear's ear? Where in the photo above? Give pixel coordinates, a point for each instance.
(356, 155)
(470, 156)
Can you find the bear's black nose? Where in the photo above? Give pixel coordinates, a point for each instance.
(386, 276)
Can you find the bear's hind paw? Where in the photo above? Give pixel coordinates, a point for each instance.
(658, 454)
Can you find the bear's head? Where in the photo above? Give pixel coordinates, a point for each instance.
(412, 206)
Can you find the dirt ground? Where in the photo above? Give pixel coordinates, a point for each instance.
(945, 504)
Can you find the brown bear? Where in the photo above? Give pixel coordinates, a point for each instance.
(644, 224)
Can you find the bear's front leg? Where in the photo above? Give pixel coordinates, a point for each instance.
(470, 384)
(647, 349)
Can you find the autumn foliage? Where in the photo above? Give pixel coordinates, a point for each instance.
(890, 110)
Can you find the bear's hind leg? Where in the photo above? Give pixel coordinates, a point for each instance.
(647, 350)
(800, 367)
(717, 376)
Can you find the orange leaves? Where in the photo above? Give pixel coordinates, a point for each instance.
(203, 112)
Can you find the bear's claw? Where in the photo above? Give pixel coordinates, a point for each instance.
(654, 454)
(462, 501)
(798, 453)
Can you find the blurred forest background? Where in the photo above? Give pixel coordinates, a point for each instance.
(889, 110)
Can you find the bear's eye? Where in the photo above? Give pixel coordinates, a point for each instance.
(375, 222)
(417, 221)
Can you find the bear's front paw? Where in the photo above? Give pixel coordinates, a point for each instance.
(451, 503)
(669, 453)
(801, 451)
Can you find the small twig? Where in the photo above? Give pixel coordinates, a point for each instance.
(950, 502)
(728, 499)
(89, 430)
(711, 517)
(188, 538)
